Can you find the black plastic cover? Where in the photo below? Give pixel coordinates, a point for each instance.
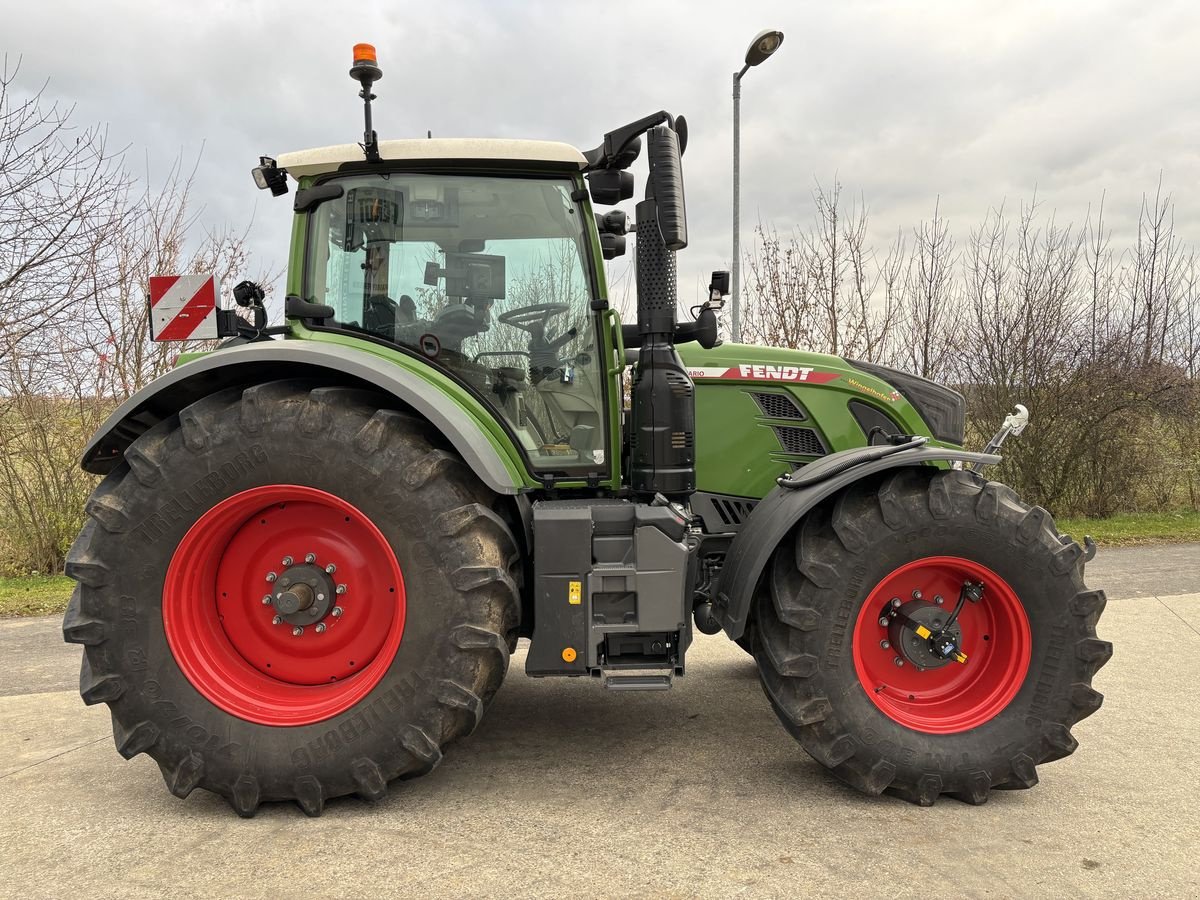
(666, 175)
(944, 410)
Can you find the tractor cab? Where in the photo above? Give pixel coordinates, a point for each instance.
(476, 257)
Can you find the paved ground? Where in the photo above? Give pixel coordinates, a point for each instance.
(568, 791)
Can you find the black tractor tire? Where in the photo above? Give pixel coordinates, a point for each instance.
(458, 557)
(821, 576)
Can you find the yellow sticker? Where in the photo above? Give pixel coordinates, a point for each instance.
(575, 593)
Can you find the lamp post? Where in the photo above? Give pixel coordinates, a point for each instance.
(765, 43)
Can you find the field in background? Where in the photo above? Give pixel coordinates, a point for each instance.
(1137, 528)
(34, 595)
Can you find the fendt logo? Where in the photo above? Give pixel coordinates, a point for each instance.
(762, 372)
(775, 373)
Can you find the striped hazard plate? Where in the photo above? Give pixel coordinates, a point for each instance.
(183, 307)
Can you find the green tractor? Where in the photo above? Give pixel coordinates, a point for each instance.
(315, 549)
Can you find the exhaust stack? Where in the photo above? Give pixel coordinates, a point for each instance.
(662, 441)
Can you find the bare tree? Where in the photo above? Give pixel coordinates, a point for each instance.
(819, 289)
(61, 206)
(928, 323)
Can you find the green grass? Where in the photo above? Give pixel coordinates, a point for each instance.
(1136, 528)
(35, 595)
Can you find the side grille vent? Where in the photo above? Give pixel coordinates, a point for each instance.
(732, 512)
(778, 406)
(801, 441)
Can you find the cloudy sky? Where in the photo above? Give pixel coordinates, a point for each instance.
(977, 103)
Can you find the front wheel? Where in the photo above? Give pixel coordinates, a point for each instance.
(843, 641)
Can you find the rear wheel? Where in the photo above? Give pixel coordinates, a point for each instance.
(842, 640)
(291, 594)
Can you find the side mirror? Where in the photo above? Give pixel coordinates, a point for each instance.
(612, 245)
(666, 184)
(610, 186)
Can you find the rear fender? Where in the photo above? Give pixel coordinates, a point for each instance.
(777, 513)
(500, 468)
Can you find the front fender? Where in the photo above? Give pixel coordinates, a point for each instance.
(499, 467)
(778, 512)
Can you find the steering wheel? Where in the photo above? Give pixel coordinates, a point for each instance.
(533, 318)
(543, 353)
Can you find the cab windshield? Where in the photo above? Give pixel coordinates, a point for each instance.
(485, 277)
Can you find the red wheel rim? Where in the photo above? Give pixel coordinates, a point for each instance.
(223, 635)
(955, 697)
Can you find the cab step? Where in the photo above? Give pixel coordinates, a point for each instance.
(625, 680)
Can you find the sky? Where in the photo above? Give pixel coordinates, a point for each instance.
(960, 103)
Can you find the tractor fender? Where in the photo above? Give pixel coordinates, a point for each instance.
(255, 363)
(777, 513)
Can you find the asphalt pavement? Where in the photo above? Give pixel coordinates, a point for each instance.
(566, 790)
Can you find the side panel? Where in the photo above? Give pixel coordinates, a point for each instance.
(462, 420)
(782, 508)
(762, 411)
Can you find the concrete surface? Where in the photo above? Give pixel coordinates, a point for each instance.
(568, 791)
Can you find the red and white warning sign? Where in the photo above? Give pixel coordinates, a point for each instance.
(183, 307)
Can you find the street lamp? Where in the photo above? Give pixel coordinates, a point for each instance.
(765, 43)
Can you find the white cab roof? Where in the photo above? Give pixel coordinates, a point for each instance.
(327, 159)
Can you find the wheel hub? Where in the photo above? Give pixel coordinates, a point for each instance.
(913, 648)
(303, 595)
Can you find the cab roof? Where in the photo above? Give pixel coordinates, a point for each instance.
(321, 160)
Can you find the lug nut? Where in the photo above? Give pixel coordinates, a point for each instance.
(336, 611)
(896, 602)
(266, 601)
(341, 589)
(898, 661)
(310, 557)
(271, 576)
(330, 569)
(287, 561)
(883, 620)
(885, 644)
(297, 631)
(939, 599)
(320, 628)
(277, 620)
(917, 595)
